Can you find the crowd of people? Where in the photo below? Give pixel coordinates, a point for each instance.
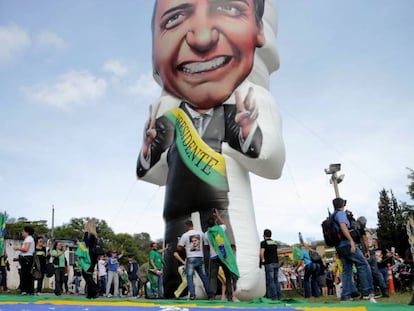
(360, 268)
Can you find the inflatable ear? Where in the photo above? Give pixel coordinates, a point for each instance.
(214, 123)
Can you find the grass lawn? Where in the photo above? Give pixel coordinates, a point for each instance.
(398, 298)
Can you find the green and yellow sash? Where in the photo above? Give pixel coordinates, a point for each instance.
(203, 161)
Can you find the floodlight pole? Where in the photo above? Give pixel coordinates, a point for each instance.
(335, 184)
(332, 170)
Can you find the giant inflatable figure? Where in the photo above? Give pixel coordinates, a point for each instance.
(215, 122)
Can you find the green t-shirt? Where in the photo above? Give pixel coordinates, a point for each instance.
(61, 258)
(157, 258)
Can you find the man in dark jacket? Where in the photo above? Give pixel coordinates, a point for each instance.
(132, 270)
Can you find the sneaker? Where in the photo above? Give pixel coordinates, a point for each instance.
(109, 295)
(23, 293)
(356, 295)
(192, 298)
(347, 299)
(370, 297)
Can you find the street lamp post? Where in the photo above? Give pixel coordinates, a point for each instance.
(335, 179)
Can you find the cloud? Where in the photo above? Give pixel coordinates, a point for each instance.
(48, 40)
(70, 88)
(115, 67)
(13, 41)
(145, 86)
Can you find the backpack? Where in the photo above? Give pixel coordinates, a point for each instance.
(331, 232)
(354, 228)
(50, 270)
(314, 256)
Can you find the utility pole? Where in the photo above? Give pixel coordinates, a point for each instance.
(335, 180)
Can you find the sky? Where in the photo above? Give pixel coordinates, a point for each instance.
(76, 84)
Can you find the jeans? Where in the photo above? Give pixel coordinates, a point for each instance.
(103, 280)
(272, 283)
(196, 264)
(384, 273)
(376, 274)
(134, 287)
(77, 281)
(364, 272)
(312, 286)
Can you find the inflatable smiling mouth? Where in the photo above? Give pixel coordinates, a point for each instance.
(199, 67)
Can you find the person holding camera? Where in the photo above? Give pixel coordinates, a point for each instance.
(57, 256)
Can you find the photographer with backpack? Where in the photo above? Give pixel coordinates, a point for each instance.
(350, 254)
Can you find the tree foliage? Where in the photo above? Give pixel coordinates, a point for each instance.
(411, 185)
(391, 230)
(137, 245)
(74, 229)
(14, 227)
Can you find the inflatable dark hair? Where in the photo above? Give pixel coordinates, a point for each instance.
(258, 6)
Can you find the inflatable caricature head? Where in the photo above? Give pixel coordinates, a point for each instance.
(203, 50)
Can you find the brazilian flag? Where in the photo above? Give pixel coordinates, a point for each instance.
(296, 253)
(3, 219)
(219, 241)
(83, 255)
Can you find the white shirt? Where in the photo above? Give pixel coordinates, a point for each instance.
(193, 241)
(101, 267)
(29, 239)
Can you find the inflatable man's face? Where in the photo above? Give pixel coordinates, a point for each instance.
(203, 49)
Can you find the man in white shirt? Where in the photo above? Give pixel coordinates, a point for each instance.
(193, 241)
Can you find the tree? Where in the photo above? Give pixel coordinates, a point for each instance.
(391, 223)
(74, 229)
(385, 221)
(137, 244)
(15, 228)
(411, 185)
